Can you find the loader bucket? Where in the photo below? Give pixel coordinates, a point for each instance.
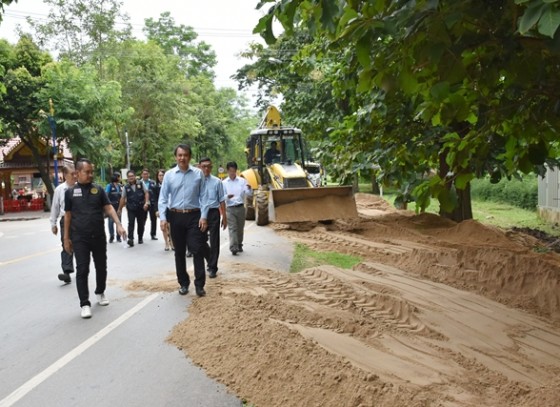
(312, 204)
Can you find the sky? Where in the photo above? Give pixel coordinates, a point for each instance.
(226, 25)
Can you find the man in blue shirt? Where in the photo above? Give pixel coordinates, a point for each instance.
(215, 199)
(182, 194)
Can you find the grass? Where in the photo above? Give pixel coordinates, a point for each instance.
(305, 258)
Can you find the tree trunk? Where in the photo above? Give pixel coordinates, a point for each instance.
(463, 211)
(374, 184)
(43, 169)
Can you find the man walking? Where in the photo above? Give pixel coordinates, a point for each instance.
(137, 201)
(84, 233)
(182, 193)
(215, 200)
(57, 209)
(235, 188)
(150, 187)
(114, 192)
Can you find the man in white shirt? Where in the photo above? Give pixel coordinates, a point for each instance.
(57, 210)
(235, 188)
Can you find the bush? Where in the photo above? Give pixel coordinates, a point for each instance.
(523, 194)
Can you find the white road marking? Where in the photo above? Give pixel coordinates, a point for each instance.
(77, 351)
(3, 263)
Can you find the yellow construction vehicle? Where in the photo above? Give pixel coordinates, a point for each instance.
(285, 187)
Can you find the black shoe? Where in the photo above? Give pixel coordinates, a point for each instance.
(140, 241)
(183, 290)
(234, 252)
(200, 292)
(65, 277)
(111, 239)
(212, 274)
(130, 242)
(118, 239)
(189, 254)
(154, 238)
(240, 250)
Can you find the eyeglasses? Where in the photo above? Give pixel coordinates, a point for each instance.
(206, 166)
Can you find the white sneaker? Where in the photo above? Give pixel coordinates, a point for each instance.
(86, 311)
(102, 300)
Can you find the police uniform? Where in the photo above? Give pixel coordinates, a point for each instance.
(114, 193)
(135, 199)
(151, 187)
(86, 205)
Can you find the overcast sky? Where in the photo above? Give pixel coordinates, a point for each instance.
(226, 25)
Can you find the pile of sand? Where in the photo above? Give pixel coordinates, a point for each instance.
(437, 313)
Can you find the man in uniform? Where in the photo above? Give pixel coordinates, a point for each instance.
(215, 200)
(137, 201)
(57, 209)
(114, 192)
(182, 192)
(84, 233)
(150, 186)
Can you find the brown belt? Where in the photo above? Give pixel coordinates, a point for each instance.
(185, 210)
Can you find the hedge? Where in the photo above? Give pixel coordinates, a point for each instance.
(523, 194)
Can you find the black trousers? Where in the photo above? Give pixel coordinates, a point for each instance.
(213, 250)
(84, 248)
(66, 260)
(185, 231)
(138, 216)
(153, 219)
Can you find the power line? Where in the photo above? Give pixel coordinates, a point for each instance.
(220, 32)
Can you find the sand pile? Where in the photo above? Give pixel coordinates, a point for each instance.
(436, 314)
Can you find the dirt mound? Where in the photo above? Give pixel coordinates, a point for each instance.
(436, 313)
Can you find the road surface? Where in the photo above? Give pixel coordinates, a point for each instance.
(50, 356)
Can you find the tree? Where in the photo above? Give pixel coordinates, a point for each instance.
(440, 84)
(194, 58)
(82, 30)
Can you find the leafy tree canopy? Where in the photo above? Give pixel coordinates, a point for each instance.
(468, 88)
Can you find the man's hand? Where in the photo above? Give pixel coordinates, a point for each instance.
(202, 224)
(121, 232)
(54, 230)
(68, 246)
(224, 222)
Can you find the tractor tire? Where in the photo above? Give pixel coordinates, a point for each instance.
(249, 208)
(262, 208)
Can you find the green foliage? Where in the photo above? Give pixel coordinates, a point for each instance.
(195, 58)
(520, 193)
(449, 86)
(304, 258)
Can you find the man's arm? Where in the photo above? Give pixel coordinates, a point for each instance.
(55, 209)
(67, 242)
(146, 198)
(223, 213)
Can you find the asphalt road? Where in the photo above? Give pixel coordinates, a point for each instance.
(50, 356)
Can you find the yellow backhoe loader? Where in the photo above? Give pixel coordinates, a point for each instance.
(285, 189)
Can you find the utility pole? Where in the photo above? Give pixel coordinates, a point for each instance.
(127, 149)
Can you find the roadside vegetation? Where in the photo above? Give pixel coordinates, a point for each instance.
(305, 258)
